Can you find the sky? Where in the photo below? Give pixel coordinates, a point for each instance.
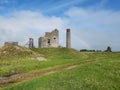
(94, 24)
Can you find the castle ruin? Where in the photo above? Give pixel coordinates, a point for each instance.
(51, 39)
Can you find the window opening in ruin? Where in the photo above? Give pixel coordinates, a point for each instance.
(54, 38)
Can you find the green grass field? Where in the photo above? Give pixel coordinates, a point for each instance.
(94, 71)
(21, 64)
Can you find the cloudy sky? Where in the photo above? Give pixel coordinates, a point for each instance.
(95, 24)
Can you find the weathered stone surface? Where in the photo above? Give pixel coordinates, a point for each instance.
(68, 38)
(51, 39)
(31, 43)
(11, 43)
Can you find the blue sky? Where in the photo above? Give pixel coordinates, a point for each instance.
(95, 24)
(56, 7)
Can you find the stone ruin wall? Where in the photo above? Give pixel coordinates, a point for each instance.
(51, 39)
(10, 43)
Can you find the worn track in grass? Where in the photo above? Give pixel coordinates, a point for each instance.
(40, 73)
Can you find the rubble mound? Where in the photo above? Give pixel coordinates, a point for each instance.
(16, 51)
(9, 49)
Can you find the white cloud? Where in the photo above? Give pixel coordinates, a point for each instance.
(67, 3)
(100, 4)
(90, 29)
(24, 24)
(96, 29)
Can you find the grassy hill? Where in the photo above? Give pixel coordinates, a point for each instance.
(63, 69)
(24, 60)
(14, 59)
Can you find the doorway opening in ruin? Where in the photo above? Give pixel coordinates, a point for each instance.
(49, 41)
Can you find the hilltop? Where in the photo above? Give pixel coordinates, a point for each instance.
(10, 52)
(14, 50)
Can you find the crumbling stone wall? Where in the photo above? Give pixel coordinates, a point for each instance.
(51, 39)
(11, 43)
(31, 43)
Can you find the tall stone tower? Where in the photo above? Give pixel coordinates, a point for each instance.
(31, 43)
(68, 38)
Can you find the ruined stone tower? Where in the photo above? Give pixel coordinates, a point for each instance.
(31, 43)
(68, 38)
(51, 39)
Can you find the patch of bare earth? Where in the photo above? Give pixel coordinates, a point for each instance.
(41, 58)
(38, 73)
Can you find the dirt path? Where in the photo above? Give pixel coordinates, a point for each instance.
(40, 73)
